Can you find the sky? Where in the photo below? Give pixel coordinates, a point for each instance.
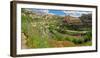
(74, 13)
(56, 12)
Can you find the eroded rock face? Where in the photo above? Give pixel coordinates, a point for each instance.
(72, 20)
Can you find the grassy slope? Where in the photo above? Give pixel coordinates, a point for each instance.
(35, 38)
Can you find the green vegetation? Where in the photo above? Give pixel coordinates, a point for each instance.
(43, 31)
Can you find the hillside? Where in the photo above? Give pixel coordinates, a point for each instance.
(48, 31)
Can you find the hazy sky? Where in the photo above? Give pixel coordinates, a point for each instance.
(75, 13)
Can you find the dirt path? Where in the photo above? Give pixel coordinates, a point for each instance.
(55, 43)
(23, 41)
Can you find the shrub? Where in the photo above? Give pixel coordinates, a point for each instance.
(74, 39)
(88, 36)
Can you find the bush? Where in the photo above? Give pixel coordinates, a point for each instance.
(88, 36)
(78, 41)
(74, 40)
